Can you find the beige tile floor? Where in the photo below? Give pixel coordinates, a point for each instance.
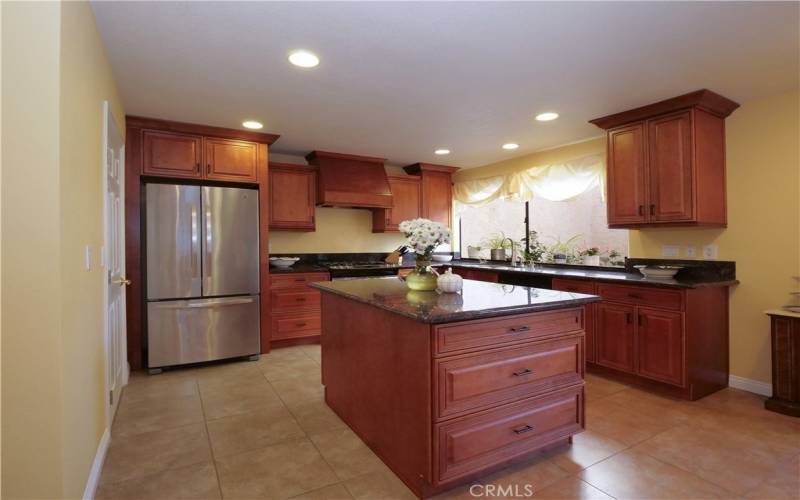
(261, 430)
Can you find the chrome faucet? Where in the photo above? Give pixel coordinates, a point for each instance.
(514, 256)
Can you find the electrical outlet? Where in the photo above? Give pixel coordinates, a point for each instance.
(710, 251)
(670, 251)
(690, 252)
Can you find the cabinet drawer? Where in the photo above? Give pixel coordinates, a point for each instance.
(287, 300)
(653, 297)
(471, 334)
(295, 280)
(467, 445)
(576, 286)
(471, 383)
(295, 325)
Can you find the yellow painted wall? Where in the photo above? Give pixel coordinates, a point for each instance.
(86, 81)
(31, 281)
(545, 157)
(53, 371)
(763, 233)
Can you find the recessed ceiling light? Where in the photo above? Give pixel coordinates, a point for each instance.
(510, 145)
(546, 117)
(252, 124)
(303, 58)
(442, 152)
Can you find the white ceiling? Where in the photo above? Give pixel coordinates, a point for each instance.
(399, 80)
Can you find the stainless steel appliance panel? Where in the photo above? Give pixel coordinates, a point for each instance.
(230, 241)
(173, 218)
(191, 331)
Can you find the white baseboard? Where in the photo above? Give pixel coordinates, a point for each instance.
(750, 385)
(97, 466)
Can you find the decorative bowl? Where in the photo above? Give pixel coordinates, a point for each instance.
(283, 262)
(659, 272)
(442, 258)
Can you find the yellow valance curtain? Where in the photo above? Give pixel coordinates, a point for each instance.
(558, 182)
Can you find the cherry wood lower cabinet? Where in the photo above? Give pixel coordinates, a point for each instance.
(785, 341)
(667, 339)
(295, 308)
(476, 274)
(443, 404)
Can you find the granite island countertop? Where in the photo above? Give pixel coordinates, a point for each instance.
(478, 299)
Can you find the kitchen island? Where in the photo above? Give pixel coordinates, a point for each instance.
(447, 387)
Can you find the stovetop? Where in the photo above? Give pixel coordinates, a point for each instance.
(358, 265)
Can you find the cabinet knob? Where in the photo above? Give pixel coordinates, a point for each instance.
(652, 209)
(523, 373)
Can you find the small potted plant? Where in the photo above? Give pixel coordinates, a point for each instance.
(423, 236)
(591, 256)
(615, 258)
(498, 243)
(563, 251)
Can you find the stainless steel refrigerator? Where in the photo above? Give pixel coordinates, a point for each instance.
(202, 270)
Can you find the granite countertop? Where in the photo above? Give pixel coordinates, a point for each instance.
(611, 275)
(300, 267)
(477, 300)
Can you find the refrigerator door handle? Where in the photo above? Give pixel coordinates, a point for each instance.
(205, 304)
(209, 253)
(195, 241)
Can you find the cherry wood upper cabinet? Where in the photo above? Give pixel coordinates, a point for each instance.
(437, 191)
(231, 160)
(292, 191)
(171, 154)
(660, 345)
(666, 162)
(615, 336)
(406, 204)
(626, 181)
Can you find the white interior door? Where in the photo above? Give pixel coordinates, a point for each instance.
(114, 261)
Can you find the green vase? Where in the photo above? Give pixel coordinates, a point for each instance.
(421, 278)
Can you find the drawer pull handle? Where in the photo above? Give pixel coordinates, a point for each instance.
(519, 329)
(300, 280)
(571, 289)
(523, 373)
(300, 324)
(634, 296)
(523, 430)
(300, 299)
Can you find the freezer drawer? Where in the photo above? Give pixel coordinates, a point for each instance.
(191, 331)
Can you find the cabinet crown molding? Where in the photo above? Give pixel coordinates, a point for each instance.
(703, 99)
(191, 128)
(418, 168)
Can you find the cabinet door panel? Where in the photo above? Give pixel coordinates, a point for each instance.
(615, 336)
(169, 154)
(660, 345)
(229, 160)
(291, 199)
(437, 197)
(627, 159)
(670, 168)
(406, 201)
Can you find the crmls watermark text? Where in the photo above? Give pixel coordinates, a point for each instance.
(493, 490)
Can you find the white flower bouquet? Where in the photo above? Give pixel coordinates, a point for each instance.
(423, 236)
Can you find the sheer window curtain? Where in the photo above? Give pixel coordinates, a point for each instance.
(557, 182)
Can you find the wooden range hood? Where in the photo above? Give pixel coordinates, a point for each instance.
(350, 181)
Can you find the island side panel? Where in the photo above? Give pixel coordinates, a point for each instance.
(376, 368)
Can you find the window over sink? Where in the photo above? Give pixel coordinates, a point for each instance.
(570, 227)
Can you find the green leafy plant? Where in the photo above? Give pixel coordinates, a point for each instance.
(590, 251)
(498, 241)
(566, 248)
(536, 250)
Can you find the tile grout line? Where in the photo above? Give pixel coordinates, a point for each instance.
(208, 438)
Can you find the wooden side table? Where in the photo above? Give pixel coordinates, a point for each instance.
(785, 363)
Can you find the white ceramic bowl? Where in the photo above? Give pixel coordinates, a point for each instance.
(659, 272)
(442, 258)
(283, 261)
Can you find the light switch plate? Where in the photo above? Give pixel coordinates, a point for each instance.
(710, 251)
(88, 258)
(670, 251)
(690, 252)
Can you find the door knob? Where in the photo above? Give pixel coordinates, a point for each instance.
(122, 281)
